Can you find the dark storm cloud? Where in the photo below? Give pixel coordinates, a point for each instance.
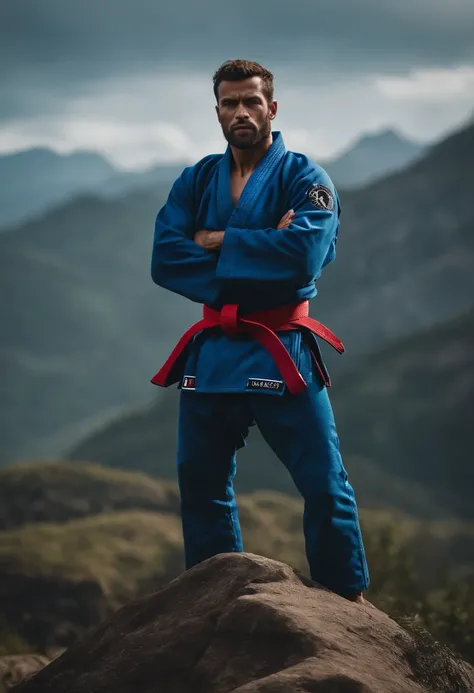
(52, 48)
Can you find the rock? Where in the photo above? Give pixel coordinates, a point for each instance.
(241, 623)
(17, 668)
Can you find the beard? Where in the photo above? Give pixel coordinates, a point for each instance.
(249, 140)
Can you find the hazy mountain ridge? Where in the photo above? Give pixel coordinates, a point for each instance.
(405, 254)
(85, 327)
(34, 180)
(128, 181)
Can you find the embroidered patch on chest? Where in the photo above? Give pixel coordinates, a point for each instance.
(265, 384)
(189, 382)
(320, 196)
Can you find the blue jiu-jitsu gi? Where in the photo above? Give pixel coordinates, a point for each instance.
(230, 381)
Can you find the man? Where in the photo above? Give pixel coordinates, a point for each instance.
(247, 234)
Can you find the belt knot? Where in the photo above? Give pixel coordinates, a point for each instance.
(229, 316)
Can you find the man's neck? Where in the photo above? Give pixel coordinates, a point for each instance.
(245, 160)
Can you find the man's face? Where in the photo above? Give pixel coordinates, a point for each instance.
(244, 112)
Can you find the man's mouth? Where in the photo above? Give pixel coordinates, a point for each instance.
(243, 127)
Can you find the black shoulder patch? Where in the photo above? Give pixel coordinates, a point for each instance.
(321, 197)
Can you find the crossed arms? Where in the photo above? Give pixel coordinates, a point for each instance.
(212, 240)
(294, 251)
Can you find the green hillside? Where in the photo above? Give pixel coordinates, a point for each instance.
(409, 410)
(59, 492)
(84, 327)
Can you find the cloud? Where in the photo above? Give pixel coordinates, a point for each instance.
(139, 121)
(49, 49)
(133, 78)
(430, 85)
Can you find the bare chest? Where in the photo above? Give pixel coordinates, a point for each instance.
(237, 184)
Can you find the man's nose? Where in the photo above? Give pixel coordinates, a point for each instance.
(241, 111)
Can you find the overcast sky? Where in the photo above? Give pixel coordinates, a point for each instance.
(133, 78)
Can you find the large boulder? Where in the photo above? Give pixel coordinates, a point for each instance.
(241, 623)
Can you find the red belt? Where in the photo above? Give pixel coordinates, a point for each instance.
(262, 326)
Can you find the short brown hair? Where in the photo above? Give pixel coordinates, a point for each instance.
(236, 70)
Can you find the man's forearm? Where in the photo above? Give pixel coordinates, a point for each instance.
(213, 240)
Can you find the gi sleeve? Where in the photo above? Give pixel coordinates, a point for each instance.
(177, 263)
(296, 254)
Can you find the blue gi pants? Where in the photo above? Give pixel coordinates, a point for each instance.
(301, 431)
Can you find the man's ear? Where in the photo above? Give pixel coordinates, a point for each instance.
(217, 113)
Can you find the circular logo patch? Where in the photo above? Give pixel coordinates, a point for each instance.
(321, 197)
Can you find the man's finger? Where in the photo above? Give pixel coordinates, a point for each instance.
(286, 219)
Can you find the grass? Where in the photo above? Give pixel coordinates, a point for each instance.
(114, 549)
(60, 491)
(433, 664)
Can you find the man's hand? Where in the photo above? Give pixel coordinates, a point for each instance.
(209, 240)
(286, 220)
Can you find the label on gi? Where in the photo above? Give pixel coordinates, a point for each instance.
(265, 384)
(189, 382)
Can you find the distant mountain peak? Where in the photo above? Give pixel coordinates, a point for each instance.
(372, 155)
(385, 137)
(387, 132)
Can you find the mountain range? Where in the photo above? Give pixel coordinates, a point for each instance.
(84, 327)
(35, 180)
(405, 253)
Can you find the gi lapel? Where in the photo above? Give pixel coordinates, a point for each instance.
(260, 177)
(225, 207)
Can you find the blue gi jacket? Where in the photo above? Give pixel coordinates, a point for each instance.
(258, 266)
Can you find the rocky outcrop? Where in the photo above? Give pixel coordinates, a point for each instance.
(17, 668)
(241, 623)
